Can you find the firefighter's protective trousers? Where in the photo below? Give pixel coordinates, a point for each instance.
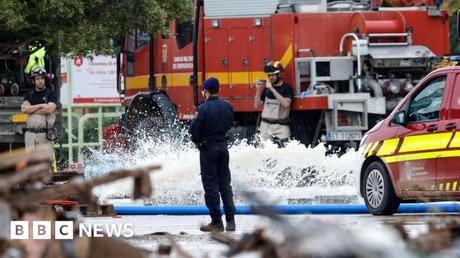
(273, 117)
(38, 122)
(215, 176)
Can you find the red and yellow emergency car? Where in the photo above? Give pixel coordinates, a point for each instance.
(414, 154)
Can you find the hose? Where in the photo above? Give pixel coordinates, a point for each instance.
(287, 209)
(375, 86)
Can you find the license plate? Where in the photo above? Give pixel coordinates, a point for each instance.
(344, 136)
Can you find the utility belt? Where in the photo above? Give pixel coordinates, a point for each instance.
(214, 140)
(285, 121)
(35, 130)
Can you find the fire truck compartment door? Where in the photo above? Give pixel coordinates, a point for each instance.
(216, 58)
(238, 62)
(353, 102)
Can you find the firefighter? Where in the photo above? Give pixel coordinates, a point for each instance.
(209, 133)
(40, 106)
(275, 96)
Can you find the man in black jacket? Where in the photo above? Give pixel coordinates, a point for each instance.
(209, 133)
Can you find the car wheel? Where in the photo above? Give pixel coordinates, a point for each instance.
(378, 191)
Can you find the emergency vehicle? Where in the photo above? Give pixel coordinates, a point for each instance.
(349, 63)
(414, 153)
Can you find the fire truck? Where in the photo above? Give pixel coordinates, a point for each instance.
(349, 63)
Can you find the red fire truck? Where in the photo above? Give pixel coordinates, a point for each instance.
(349, 63)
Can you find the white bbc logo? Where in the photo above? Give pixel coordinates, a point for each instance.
(19, 230)
(63, 230)
(41, 229)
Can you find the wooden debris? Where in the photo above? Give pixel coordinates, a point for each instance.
(438, 237)
(175, 246)
(22, 200)
(29, 190)
(256, 241)
(18, 160)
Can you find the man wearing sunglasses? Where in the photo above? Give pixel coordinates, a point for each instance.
(209, 133)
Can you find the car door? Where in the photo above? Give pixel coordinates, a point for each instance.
(448, 177)
(420, 138)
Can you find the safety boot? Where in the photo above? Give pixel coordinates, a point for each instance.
(216, 225)
(230, 225)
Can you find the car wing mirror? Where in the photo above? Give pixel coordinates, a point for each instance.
(399, 118)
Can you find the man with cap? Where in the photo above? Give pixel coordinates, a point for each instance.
(209, 133)
(275, 96)
(40, 106)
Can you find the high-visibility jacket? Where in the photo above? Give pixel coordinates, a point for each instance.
(37, 59)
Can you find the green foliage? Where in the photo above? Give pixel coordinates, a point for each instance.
(452, 6)
(454, 37)
(82, 27)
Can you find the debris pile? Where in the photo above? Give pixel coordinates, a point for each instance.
(311, 237)
(29, 193)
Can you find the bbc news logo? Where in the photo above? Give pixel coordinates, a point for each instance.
(65, 230)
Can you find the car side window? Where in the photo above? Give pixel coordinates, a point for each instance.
(426, 104)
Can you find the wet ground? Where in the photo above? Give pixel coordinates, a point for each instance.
(150, 231)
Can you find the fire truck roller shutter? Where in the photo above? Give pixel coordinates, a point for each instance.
(151, 115)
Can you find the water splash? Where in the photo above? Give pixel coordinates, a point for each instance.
(288, 175)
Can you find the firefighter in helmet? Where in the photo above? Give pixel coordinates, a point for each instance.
(209, 133)
(275, 96)
(40, 106)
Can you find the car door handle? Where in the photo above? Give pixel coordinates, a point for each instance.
(432, 128)
(451, 126)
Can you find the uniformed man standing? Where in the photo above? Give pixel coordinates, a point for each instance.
(40, 106)
(209, 133)
(275, 96)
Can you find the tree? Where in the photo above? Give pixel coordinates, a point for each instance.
(453, 6)
(81, 27)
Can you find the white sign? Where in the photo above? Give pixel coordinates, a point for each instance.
(91, 80)
(182, 62)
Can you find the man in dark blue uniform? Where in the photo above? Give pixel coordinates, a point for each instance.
(209, 133)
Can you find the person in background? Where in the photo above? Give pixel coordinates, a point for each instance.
(275, 96)
(40, 106)
(209, 129)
